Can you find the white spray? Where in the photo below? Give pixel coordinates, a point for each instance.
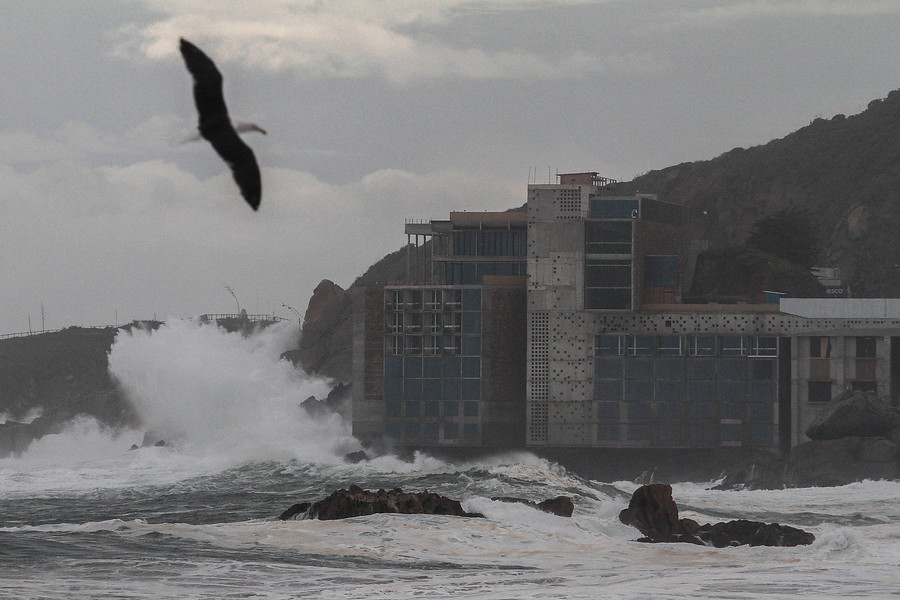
(213, 392)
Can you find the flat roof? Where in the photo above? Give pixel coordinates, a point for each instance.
(842, 308)
(472, 218)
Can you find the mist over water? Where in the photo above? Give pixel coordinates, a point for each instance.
(214, 393)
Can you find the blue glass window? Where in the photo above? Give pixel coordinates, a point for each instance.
(669, 410)
(639, 368)
(392, 409)
(607, 410)
(471, 322)
(470, 409)
(470, 430)
(471, 345)
(411, 431)
(732, 410)
(432, 408)
(451, 431)
(412, 366)
(638, 391)
(610, 345)
(702, 345)
(608, 431)
(412, 409)
(642, 345)
(608, 390)
(450, 389)
(669, 432)
(731, 433)
(471, 300)
(639, 410)
(760, 413)
(471, 389)
(451, 408)
(431, 389)
(639, 431)
(393, 367)
(471, 367)
(430, 431)
(432, 367)
(412, 389)
(607, 367)
(701, 369)
(393, 389)
(450, 365)
(393, 430)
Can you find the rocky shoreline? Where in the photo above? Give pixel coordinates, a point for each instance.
(856, 437)
(357, 502)
(651, 510)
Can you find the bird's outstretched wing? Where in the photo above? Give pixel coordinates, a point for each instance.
(215, 125)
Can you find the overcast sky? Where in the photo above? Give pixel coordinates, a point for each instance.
(377, 112)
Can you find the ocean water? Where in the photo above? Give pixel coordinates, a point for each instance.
(81, 516)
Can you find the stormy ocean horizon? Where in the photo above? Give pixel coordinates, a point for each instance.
(84, 517)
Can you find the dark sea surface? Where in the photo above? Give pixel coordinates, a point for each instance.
(81, 516)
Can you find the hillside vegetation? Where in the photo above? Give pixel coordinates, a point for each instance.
(844, 172)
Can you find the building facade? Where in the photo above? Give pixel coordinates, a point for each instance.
(564, 327)
(444, 351)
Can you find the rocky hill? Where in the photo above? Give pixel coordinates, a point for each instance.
(56, 376)
(327, 335)
(844, 171)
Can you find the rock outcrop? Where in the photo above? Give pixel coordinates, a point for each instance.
(855, 414)
(561, 506)
(327, 336)
(357, 502)
(653, 511)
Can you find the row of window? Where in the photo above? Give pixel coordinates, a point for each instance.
(820, 347)
(431, 408)
(822, 391)
(757, 412)
(432, 431)
(677, 369)
(415, 299)
(472, 273)
(432, 389)
(690, 345)
(489, 243)
(446, 367)
(433, 345)
(435, 322)
(704, 434)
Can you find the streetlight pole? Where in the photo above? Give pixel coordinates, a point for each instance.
(231, 291)
(294, 310)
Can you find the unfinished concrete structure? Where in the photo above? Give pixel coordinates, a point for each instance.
(594, 348)
(443, 354)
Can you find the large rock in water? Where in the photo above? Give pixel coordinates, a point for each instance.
(654, 513)
(357, 502)
(855, 413)
(561, 506)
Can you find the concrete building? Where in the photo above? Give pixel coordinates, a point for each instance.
(443, 354)
(563, 327)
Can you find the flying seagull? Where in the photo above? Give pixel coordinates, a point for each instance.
(215, 125)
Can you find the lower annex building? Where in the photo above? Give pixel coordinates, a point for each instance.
(562, 326)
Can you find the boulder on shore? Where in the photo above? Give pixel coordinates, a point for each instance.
(855, 414)
(653, 511)
(357, 502)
